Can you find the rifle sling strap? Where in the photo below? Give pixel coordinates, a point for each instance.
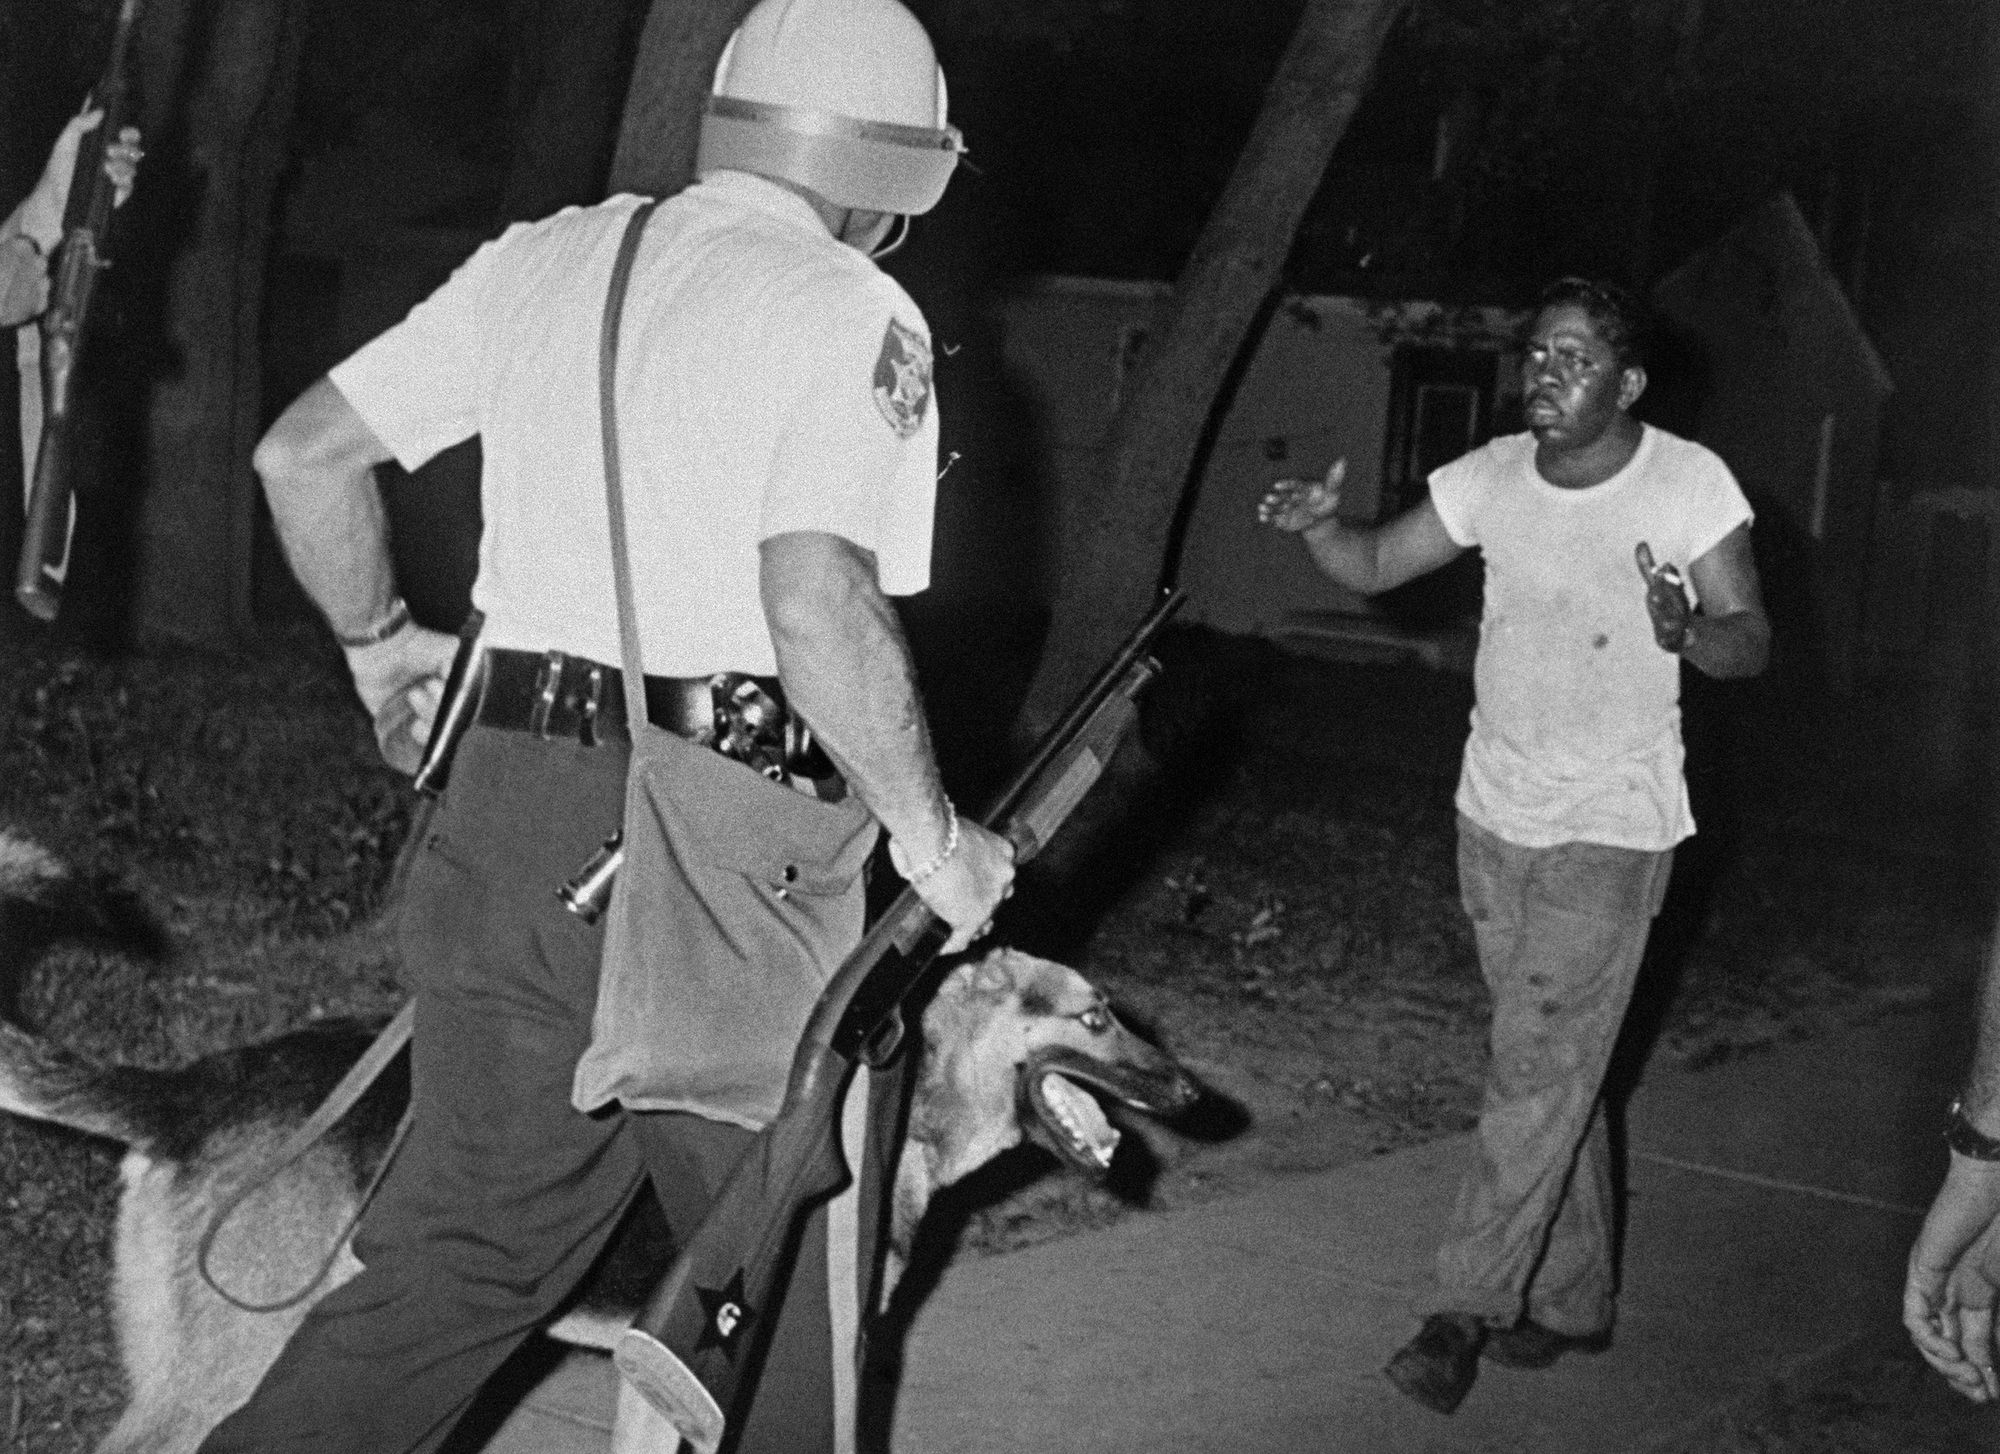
(843, 1228)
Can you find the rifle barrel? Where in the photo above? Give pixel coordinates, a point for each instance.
(1100, 687)
(42, 566)
(681, 1355)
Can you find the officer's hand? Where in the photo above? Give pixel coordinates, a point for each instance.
(42, 213)
(400, 681)
(1666, 600)
(968, 888)
(1297, 505)
(121, 163)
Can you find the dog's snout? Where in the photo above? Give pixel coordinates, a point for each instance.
(1159, 1085)
(1186, 1090)
(1178, 1093)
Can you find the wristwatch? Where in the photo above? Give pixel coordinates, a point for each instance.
(1967, 1139)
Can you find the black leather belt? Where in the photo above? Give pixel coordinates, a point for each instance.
(553, 694)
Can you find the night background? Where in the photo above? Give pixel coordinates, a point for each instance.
(1129, 345)
(1496, 146)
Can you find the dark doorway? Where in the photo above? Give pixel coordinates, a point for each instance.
(1440, 406)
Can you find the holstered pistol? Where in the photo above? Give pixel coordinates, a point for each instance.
(463, 685)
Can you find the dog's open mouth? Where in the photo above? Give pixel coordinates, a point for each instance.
(1066, 1118)
(1059, 1088)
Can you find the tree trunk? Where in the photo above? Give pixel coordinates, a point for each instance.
(1989, 318)
(1107, 577)
(678, 49)
(569, 69)
(17, 176)
(196, 522)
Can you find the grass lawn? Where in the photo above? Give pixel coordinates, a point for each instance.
(1275, 900)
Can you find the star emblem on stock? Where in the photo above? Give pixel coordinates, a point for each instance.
(726, 1316)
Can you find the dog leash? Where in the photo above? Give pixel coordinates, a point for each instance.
(339, 1101)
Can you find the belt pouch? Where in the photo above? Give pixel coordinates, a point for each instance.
(737, 899)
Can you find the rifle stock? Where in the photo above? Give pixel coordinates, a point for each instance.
(688, 1353)
(44, 560)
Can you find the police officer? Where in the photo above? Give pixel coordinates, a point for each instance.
(779, 450)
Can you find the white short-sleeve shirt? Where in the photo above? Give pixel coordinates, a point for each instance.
(1576, 717)
(770, 380)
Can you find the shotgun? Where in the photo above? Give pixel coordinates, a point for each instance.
(688, 1354)
(44, 561)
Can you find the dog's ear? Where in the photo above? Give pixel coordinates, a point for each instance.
(993, 975)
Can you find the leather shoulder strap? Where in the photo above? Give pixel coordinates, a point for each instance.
(633, 664)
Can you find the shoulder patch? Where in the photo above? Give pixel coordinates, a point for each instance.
(902, 383)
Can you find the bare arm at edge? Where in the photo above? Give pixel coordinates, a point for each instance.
(1953, 1282)
(1982, 1085)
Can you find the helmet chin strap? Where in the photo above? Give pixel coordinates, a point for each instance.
(898, 235)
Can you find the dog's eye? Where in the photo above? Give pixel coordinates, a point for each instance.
(1096, 1019)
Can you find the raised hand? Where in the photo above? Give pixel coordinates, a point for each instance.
(121, 163)
(1666, 600)
(1296, 505)
(41, 215)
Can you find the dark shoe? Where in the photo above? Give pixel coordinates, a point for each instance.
(1436, 1368)
(1529, 1345)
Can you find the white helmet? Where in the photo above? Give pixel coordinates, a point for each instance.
(842, 96)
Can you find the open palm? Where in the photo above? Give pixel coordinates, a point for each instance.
(1301, 504)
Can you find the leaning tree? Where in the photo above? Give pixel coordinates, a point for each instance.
(1108, 573)
(1114, 559)
(678, 49)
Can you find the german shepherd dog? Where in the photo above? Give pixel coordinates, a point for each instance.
(42, 900)
(1013, 1047)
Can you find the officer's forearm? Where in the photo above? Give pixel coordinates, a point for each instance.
(1734, 645)
(336, 536)
(317, 464)
(846, 669)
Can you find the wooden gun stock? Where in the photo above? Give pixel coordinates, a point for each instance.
(687, 1353)
(44, 561)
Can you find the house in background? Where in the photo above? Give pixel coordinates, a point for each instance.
(1395, 389)
(1766, 363)
(1785, 385)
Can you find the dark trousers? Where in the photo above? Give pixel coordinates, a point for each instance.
(504, 1195)
(1561, 932)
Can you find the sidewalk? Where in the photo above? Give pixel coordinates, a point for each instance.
(1772, 1203)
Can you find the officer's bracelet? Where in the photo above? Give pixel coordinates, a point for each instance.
(389, 625)
(943, 856)
(1967, 1139)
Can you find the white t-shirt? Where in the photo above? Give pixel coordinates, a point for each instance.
(770, 379)
(1576, 723)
